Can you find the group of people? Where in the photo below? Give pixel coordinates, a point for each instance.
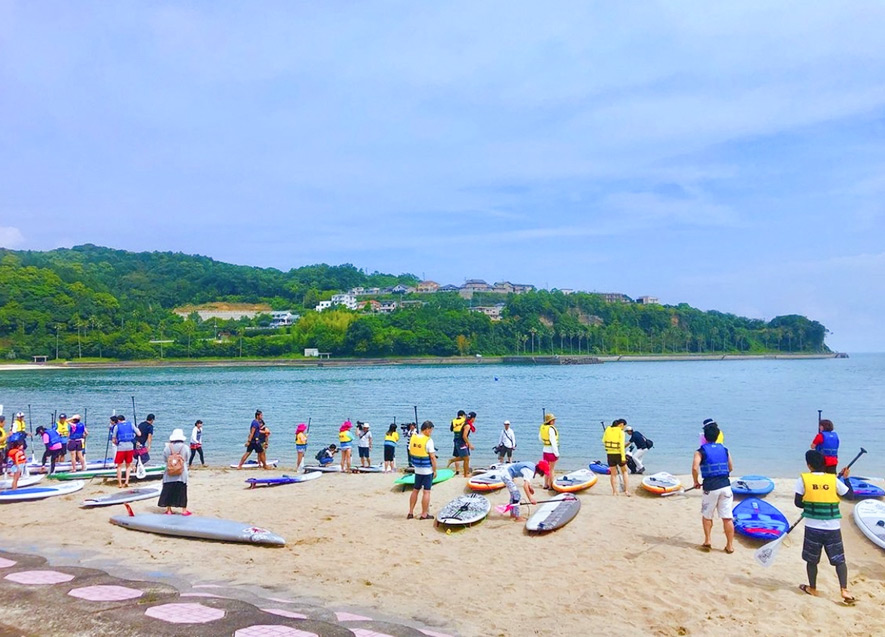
(817, 493)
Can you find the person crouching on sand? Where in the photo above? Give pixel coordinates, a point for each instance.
(526, 471)
(345, 443)
(817, 494)
(714, 463)
(327, 455)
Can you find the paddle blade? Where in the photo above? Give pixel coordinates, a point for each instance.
(140, 471)
(765, 554)
(503, 508)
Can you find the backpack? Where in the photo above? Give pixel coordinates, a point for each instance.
(174, 463)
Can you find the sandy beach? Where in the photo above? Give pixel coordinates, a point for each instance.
(631, 566)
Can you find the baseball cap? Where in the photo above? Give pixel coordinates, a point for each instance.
(543, 467)
(506, 422)
(709, 421)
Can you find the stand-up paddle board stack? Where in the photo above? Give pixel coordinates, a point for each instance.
(121, 497)
(554, 514)
(464, 510)
(375, 468)
(36, 467)
(488, 481)
(150, 473)
(40, 492)
(869, 516)
(575, 481)
(23, 481)
(863, 489)
(408, 480)
(752, 485)
(325, 468)
(661, 483)
(759, 520)
(597, 466)
(198, 528)
(253, 464)
(272, 482)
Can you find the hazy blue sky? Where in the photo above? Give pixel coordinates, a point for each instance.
(727, 155)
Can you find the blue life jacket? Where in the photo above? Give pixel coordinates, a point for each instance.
(77, 431)
(125, 431)
(830, 446)
(515, 470)
(715, 464)
(54, 438)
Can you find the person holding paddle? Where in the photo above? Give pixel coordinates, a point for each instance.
(817, 494)
(713, 461)
(827, 443)
(526, 471)
(423, 454)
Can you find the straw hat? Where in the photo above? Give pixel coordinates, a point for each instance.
(177, 436)
(549, 418)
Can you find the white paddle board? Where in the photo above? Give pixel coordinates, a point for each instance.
(661, 482)
(253, 464)
(23, 481)
(488, 481)
(40, 492)
(328, 468)
(270, 482)
(575, 481)
(193, 526)
(465, 509)
(869, 515)
(121, 497)
(554, 514)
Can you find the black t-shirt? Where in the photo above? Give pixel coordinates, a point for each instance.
(146, 429)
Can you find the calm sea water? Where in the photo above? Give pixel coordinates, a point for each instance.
(767, 408)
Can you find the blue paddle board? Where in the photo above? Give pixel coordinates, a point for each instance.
(752, 485)
(597, 467)
(269, 482)
(759, 520)
(863, 489)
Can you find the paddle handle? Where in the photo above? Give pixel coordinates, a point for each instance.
(859, 454)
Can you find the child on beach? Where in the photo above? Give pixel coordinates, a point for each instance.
(817, 493)
(526, 471)
(196, 443)
(18, 459)
(364, 445)
(345, 443)
(390, 440)
(327, 455)
(300, 444)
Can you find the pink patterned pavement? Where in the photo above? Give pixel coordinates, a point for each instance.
(105, 593)
(184, 613)
(39, 577)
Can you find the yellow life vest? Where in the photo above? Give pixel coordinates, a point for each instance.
(62, 428)
(458, 424)
(344, 436)
(301, 438)
(3, 438)
(821, 499)
(19, 426)
(613, 440)
(391, 437)
(546, 436)
(418, 446)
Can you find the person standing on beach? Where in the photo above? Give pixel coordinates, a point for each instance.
(252, 442)
(827, 443)
(364, 444)
(174, 493)
(713, 461)
(616, 454)
(817, 494)
(64, 431)
(123, 436)
(52, 442)
(391, 438)
(196, 443)
(18, 460)
(506, 443)
(411, 430)
(456, 427)
(144, 439)
(300, 445)
(4, 437)
(345, 443)
(77, 442)
(423, 454)
(526, 471)
(549, 437)
(20, 430)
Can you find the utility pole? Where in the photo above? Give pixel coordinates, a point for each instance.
(56, 341)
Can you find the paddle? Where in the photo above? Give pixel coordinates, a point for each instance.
(505, 508)
(766, 553)
(680, 492)
(31, 432)
(859, 454)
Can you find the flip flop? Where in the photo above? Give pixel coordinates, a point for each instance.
(729, 551)
(410, 516)
(849, 600)
(425, 517)
(706, 548)
(805, 588)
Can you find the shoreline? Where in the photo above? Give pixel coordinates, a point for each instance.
(420, 361)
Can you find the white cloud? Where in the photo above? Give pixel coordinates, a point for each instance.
(11, 237)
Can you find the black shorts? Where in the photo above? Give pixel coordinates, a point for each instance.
(364, 452)
(389, 453)
(505, 452)
(75, 445)
(817, 539)
(615, 460)
(257, 447)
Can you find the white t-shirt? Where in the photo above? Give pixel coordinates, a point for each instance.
(822, 525)
(507, 438)
(426, 471)
(365, 440)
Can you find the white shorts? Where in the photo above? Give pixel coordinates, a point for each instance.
(720, 500)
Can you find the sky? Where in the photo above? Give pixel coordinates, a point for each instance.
(725, 155)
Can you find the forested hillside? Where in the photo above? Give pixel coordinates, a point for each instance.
(93, 302)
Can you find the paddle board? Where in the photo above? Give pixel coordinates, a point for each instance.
(863, 489)
(36, 467)
(488, 481)
(38, 493)
(121, 497)
(554, 514)
(575, 481)
(155, 471)
(661, 482)
(408, 480)
(375, 468)
(270, 482)
(752, 485)
(869, 516)
(329, 468)
(198, 527)
(759, 520)
(600, 467)
(465, 509)
(23, 481)
(253, 464)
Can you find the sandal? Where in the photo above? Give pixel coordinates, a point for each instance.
(728, 550)
(706, 548)
(848, 599)
(425, 517)
(410, 516)
(805, 588)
